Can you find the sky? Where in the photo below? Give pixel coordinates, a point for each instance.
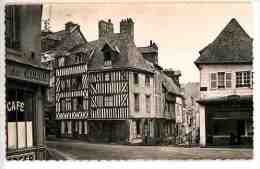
(180, 29)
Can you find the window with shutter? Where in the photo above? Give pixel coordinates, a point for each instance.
(213, 80)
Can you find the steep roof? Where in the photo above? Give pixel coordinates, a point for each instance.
(128, 54)
(232, 46)
(170, 85)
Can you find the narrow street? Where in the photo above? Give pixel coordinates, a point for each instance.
(80, 150)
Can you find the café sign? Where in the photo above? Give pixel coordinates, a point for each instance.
(14, 106)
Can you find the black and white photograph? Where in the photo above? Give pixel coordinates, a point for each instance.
(129, 81)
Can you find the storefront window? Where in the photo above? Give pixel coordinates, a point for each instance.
(19, 109)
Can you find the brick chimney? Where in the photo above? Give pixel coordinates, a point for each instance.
(127, 26)
(105, 28)
(69, 26)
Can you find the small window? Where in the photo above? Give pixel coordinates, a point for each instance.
(148, 103)
(136, 80)
(107, 77)
(243, 79)
(138, 127)
(63, 105)
(107, 58)
(108, 101)
(147, 80)
(61, 61)
(136, 101)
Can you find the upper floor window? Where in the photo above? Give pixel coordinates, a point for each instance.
(107, 58)
(220, 80)
(147, 80)
(12, 27)
(136, 80)
(136, 102)
(148, 103)
(61, 61)
(107, 77)
(108, 101)
(243, 79)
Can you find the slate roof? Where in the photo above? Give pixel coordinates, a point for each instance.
(232, 46)
(128, 54)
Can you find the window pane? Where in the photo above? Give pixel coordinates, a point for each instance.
(213, 80)
(221, 79)
(136, 78)
(12, 135)
(246, 78)
(228, 80)
(136, 97)
(28, 106)
(21, 134)
(148, 104)
(29, 134)
(239, 82)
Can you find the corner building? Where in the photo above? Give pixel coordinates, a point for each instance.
(124, 95)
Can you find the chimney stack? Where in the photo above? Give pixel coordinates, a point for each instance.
(69, 26)
(105, 28)
(127, 26)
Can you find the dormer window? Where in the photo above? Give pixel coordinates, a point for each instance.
(108, 53)
(107, 58)
(61, 61)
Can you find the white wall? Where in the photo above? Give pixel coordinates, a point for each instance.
(142, 90)
(205, 80)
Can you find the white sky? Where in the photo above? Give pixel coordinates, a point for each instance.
(180, 29)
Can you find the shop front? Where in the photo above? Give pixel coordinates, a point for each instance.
(229, 121)
(25, 128)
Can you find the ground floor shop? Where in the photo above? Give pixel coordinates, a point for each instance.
(133, 131)
(25, 128)
(227, 121)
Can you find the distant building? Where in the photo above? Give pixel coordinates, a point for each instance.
(226, 88)
(26, 83)
(109, 90)
(191, 93)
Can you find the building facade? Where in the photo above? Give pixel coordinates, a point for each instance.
(190, 120)
(226, 88)
(26, 83)
(118, 92)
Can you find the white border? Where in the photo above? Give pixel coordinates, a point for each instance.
(238, 164)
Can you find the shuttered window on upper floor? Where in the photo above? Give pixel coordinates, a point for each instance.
(220, 80)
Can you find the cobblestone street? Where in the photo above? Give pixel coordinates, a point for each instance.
(79, 150)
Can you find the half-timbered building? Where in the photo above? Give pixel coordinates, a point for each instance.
(226, 88)
(26, 83)
(118, 93)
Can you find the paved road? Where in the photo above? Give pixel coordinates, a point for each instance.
(80, 150)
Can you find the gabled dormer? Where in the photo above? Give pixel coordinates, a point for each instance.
(110, 53)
